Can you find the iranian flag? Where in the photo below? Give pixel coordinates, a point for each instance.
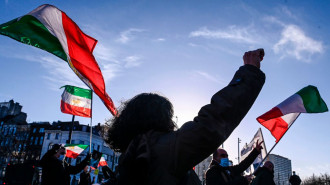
(76, 101)
(73, 150)
(281, 117)
(50, 29)
(103, 162)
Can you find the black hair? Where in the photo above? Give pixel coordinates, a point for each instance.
(144, 112)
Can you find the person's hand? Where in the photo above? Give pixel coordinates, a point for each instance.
(258, 146)
(249, 178)
(254, 57)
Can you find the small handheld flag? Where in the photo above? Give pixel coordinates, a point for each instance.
(280, 118)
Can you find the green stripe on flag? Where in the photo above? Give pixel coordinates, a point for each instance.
(78, 145)
(31, 31)
(77, 91)
(312, 100)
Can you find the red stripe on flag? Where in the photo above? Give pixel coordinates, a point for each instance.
(103, 163)
(80, 48)
(71, 154)
(74, 110)
(273, 113)
(274, 123)
(276, 126)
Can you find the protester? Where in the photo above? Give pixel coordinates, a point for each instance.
(85, 177)
(154, 152)
(264, 175)
(220, 171)
(109, 175)
(294, 179)
(55, 170)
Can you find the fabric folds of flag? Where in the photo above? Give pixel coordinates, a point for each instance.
(279, 119)
(103, 162)
(73, 150)
(76, 101)
(50, 29)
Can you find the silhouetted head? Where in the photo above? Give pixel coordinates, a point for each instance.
(269, 165)
(144, 112)
(219, 154)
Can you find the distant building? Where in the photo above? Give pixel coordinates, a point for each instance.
(282, 169)
(202, 167)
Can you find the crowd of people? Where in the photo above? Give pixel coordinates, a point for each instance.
(154, 151)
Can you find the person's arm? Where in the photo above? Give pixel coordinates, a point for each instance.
(197, 139)
(242, 166)
(76, 169)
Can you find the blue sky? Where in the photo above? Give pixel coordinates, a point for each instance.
(186, 51)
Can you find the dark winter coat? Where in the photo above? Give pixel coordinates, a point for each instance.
(158, 158)
(55, 172)
(295, 180)
(85, 179)
(218, 175)
(263, 177)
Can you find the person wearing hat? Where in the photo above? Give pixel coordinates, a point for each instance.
(55, 170)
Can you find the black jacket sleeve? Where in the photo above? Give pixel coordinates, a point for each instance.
(241, 167)
(197, 139)
(76, 169)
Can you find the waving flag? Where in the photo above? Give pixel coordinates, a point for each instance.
(73, 150)
(247, 149)
(279, 119)
(50, 29)
(76, 101)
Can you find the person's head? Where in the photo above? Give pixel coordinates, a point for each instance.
(59, 151)
(293, 173)
(86, 169)
(221, 157)
(144, 112)
(269, 165)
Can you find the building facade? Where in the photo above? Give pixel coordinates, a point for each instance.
(202, 167)
(282, 169)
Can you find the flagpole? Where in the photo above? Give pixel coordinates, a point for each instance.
(71, 129)
(90, 133)
(275, 144)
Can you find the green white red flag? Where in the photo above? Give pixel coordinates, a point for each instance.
(279, 119)
(76, 101)
(103, 162)
(50, 29)
(73, 150)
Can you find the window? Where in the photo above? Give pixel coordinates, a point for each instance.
(36, 141)
(31, 141)
(81, 142)
(42, 130)
(34, 130)
(48, 135)
(14, 131)
(41, 140)
(98, 147)
(72, 141)
(56, 135)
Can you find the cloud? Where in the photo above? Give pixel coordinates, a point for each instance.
(209, 77)
(128, 35)
(105, 53)
(295, 43)
(132, 61)
(160, 39)
(233, 33)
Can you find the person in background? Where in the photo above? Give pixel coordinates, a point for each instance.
(85, 177)
(294, 179)
(155, 152)
(55, 170)
(264, 175)
(221, 173)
